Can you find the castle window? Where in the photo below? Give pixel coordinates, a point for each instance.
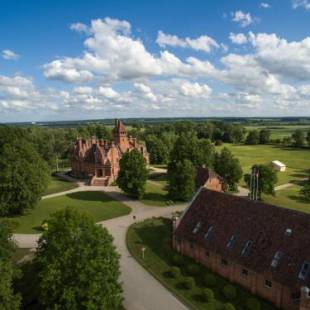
(224, 262)
(244, 272)
(247, 248)
(268, 284)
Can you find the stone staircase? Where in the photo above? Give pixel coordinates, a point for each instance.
(95, 181)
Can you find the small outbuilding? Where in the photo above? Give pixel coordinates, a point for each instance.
(278, 165)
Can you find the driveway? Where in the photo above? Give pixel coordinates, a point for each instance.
(141, 290)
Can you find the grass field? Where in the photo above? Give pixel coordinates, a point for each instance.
(289, 198)
(155, 194)
(296, 160)
(59, 185)
(155, 236)
(97, 204)
(279, 132)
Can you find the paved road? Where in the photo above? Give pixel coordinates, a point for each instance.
(141, 290)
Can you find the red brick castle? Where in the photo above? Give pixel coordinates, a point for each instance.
(98, 160)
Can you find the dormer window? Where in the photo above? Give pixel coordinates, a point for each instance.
(304, 271)
(231, 242)
(276, 259)
(208, 233)
(247, 248)
(196, 228)
(288, 231)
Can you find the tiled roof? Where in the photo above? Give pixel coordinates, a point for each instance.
(271, 230)
(203, 175)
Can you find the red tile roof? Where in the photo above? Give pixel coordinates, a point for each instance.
(263, 224)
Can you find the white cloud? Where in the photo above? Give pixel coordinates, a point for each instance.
(301, 3)
(9, 55)
(203, 43)
(243, 19)
(79, 27)
(265, 5)
(238, 38)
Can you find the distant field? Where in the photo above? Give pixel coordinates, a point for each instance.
(296, 160)
(100, 206)
(289, 198)
(279, 132)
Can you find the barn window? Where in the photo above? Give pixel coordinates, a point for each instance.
(276, 259)
(208, 233)
(196, 228)
(231, 242)
(247, 248)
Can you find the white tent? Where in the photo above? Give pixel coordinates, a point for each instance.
(278, 165)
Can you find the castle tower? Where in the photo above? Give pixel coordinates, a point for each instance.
(120, 135)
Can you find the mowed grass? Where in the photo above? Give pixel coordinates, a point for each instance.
(97, 204)
(155, 236)
(296, 160)
(155, 193)
(57, 185)
(289, 198)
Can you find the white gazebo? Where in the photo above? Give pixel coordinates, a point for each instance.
(278, 165)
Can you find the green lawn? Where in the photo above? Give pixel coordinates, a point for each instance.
(59, 185)
(296, 160)
(155, 193)
(155, 236)
(97, 204)
(289, 198)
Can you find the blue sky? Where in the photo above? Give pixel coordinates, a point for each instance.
(104, 59)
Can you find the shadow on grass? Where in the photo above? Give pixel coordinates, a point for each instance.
(299, 199)
(90, 196)
(155, 197)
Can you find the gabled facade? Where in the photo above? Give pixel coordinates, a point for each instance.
(264, 248)
(209, 179)
(98, 160)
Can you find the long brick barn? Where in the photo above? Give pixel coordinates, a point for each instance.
(264, 248)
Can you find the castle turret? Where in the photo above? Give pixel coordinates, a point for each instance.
(120, 135)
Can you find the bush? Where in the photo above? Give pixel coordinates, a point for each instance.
(175, 272)
(229, 306)
(210, 280)
(218, 142)
(189, 283)
(193, 269)
(207, 295)
(178, 260)
(253, 304)
(230, 292)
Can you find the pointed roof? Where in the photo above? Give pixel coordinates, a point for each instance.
(119, 126)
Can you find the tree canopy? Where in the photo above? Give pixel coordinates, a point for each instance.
(181, 180)
(23, 174)
(132, 174)
(229, 168)
(77, 264)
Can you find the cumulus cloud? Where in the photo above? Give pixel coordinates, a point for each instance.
(301, 3)
(238, 38)
(203, 43)
(242, 18)
(10, 55)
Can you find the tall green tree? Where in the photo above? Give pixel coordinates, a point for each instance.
(298, 138)
(158, 151)
(77, 265)
(264, 136)
(9, 300)
(132, 174)
(181, 180)
(229, 168)
(266, 178)
(308, 137)
(305, 191)
(252, 138)
(23, 174)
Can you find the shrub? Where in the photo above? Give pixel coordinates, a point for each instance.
(207, 295)
(189, 283)
(253, 304)
(229, 306)
(175, 272)
(210, 280)
(178, 260)
(193, 269)
(230, 292)
(218, 142)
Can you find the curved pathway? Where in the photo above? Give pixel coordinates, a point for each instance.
(141, 290)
